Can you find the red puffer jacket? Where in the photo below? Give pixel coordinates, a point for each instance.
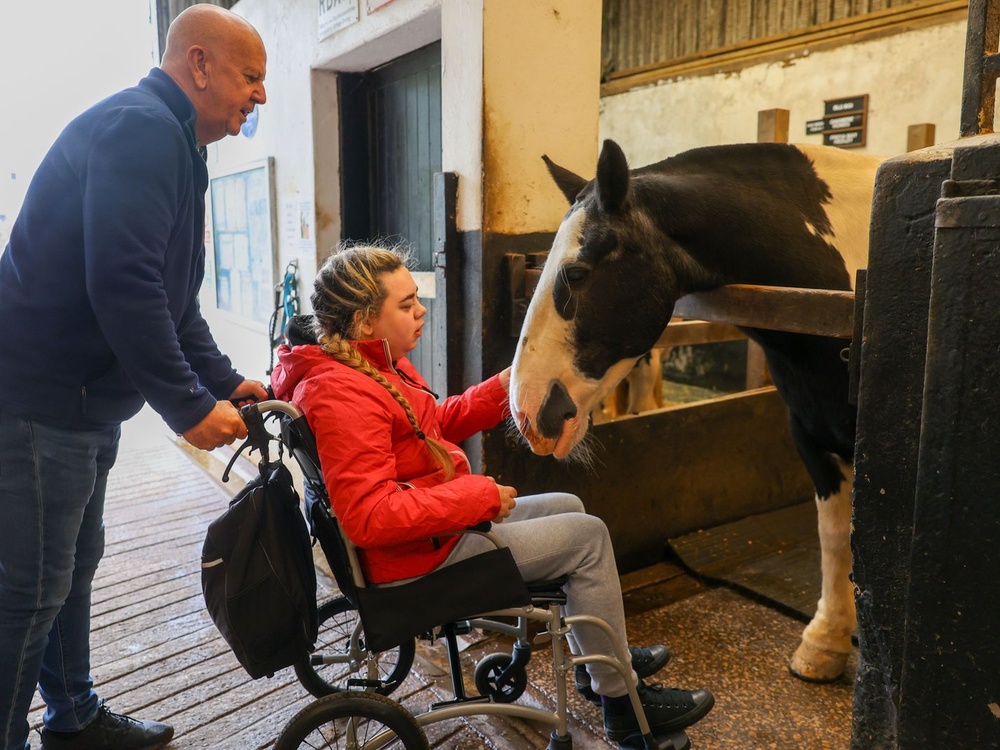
(389, 495)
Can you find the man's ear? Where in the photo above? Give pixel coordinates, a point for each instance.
(198, 65)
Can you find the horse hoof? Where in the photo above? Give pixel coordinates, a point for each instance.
(814, 664)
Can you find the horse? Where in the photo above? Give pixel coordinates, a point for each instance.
(635, 240)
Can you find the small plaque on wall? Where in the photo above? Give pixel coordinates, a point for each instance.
(844, 138)
(844, 123)
(335, 15)
(842, 106)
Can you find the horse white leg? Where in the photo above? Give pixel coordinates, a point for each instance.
(826, 641)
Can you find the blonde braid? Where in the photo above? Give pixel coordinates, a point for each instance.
(334, 307)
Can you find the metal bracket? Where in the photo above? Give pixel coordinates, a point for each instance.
(982, 68)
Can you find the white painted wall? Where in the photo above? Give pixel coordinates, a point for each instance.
(298, 129)
(910, 78)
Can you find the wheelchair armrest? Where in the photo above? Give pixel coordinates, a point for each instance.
(484, 529)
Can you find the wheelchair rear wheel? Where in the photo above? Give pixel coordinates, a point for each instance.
(355, 720)
(340, 655)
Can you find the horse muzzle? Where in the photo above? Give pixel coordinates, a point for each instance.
(554, 425)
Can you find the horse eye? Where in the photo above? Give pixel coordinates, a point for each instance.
(576, 272)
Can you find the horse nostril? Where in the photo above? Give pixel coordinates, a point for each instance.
(556, 409)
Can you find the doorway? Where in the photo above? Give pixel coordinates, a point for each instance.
(390, 150)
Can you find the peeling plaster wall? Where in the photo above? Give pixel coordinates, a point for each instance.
(911, 78)
(541, 93)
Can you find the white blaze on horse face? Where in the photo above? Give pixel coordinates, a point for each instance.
(544, 349)
(851, 180)
(546, 352)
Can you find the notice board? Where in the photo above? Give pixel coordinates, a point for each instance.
(243, 234)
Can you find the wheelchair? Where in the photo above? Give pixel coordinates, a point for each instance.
(367, 634)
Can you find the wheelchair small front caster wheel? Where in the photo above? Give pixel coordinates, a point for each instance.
(491, 683)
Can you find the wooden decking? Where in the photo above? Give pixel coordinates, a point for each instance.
(155, 651)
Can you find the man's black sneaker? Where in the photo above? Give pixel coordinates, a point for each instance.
(666, 709)
(110, 731)
(646, 661)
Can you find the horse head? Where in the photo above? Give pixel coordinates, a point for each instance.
(604, 297)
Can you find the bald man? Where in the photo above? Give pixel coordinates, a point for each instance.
(98, 294)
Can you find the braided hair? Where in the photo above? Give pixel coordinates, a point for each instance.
(350, 281)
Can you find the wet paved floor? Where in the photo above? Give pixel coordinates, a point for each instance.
(156, 653)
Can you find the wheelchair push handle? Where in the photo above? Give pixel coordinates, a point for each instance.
(258, 436)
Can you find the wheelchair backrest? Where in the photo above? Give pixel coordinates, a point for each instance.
(295, 436)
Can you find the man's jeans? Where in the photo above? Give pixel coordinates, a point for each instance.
(52, 486)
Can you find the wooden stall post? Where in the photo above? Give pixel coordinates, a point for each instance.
(919, 136)
(772, 126)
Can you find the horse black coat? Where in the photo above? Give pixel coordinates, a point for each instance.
(636, 240)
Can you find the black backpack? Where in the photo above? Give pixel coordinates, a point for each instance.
(258, 577)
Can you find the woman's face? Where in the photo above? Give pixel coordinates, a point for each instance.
(401, 316)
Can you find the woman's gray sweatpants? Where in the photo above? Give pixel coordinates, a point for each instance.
(550, 535)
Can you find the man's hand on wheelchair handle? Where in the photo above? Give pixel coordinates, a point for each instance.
(248, 392)
(221, 426)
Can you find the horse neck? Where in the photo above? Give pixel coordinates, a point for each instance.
(737, 237)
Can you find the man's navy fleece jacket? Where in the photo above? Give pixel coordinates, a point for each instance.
(99, 283)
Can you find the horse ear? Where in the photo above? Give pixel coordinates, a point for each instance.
(612, 177)
(569, 183)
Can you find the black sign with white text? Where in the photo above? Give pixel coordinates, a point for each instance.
(842, 106)
(815, 127)
(845, 138)
(843, 122)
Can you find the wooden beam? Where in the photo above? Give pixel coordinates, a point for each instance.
(685, 332)
(820, 312)
(791, 44)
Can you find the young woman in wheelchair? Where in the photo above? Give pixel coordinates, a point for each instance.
(399, 484)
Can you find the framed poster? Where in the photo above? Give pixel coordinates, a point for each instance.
(243, 234)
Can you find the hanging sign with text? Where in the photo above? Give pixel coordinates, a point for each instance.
(844, 122)
(335, 15)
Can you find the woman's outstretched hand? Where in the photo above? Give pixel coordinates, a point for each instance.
(505, 379)
(507, 504)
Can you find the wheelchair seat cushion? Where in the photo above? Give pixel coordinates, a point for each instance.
(477, 585)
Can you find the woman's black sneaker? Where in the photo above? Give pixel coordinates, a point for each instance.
(666, 709)
(646, 661)
(109, 730)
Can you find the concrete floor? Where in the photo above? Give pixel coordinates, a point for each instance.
(723, 641)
